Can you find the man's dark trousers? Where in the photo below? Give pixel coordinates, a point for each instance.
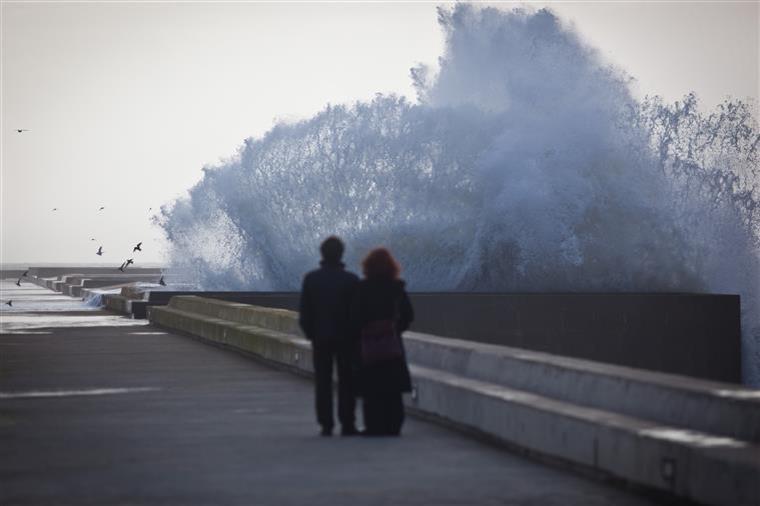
(325, 353)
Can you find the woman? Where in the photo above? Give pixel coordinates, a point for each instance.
(380, 302)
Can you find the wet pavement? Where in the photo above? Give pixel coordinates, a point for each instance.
(96, 408)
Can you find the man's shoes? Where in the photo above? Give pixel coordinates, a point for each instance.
(326, 432)
(349, 431)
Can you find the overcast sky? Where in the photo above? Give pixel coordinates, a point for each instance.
(126, 102)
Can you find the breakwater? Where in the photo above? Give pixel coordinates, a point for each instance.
(649, 331)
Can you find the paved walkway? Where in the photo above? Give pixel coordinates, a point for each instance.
(119, 412)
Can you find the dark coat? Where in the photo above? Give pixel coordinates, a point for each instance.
(325, 302)
(382, 300)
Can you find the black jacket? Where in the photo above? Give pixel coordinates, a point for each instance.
(382, 300)
(325, 302)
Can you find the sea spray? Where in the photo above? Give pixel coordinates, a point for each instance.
(524, 165)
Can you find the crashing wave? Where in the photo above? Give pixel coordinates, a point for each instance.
(524, 165)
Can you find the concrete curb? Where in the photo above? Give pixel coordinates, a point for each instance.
(717, 408)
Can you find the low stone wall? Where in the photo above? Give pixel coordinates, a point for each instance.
(74, 285)
(694, 439)
(148, 298)
(118, 303)
(53, 277)
(692, 334)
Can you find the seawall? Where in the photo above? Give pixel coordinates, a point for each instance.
(691, 438)
(696, 335)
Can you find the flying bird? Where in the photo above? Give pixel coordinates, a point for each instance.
(161, 281)
(19, 130)
(92, 238)
(25, 274)
(18, 283)
(129, 262)
(101, 208)
(100, 251)
(124, 264)
(137, 248)
(9, 303)
(55, 209)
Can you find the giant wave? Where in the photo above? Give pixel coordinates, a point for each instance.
(525, 164)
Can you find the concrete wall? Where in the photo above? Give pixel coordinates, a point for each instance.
(78, 290)
(285, 300)
(73, 285)
(692, 334)
(73, 281)
(696, 335)
(695, 439)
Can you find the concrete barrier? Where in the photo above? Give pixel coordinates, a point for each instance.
(75, 284)
(161, 297)
(695, 439)
(59, 284)
(42, 282)
(118, 303)
(696, 335)
(95, 295)
(79, 290)
(131, 300)
(47, 277)
(682, 333)
(689, 464)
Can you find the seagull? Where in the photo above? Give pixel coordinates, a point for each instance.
(18, 283)
(101, 208)
(92, 238)
(122, 266)
(9, 303)
(129, 262)
(19, 130)
(55, 209)
(100, 251)
(137, 248)
(161, 281)
(25, 274)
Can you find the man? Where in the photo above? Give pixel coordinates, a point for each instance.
(324, 318)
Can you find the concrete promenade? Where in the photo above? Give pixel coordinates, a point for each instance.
(99, 409)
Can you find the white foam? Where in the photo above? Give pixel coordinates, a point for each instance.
(526, 166)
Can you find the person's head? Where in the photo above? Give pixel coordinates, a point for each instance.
(380, 264)
(332, 250)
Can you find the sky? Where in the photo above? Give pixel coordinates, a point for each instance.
(126, 102)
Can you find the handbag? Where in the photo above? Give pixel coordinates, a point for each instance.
(381, 342)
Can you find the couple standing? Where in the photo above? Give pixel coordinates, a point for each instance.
(357, 325)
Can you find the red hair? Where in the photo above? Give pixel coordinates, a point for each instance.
(379, 263)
